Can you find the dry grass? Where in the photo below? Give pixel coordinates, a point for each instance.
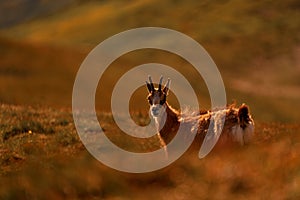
(254, 44)
(42, 157)
(256, 48)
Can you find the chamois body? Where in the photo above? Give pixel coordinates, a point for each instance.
(238, 125)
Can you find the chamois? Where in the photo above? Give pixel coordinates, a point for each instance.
(238, 126)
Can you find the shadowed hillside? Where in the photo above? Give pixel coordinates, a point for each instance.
(15, 12)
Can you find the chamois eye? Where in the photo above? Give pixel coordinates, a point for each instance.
(163, 100)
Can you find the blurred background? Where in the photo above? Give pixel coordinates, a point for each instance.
(254, 44)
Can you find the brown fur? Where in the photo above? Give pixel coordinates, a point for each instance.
(235, 118)
(171, 126)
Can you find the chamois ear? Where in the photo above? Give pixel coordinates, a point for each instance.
(167, 87)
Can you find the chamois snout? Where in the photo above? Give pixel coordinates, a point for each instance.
(156, 110)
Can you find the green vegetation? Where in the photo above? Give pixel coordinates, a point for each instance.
(255, 46)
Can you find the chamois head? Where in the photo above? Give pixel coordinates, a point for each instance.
(157, 96)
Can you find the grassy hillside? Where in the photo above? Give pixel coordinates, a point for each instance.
(37, 74)
(42, 157)
(44, 75)
(216, 21)
(16, 12)
(255, 45)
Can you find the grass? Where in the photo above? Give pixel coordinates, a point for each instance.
(44, 159)
(254, 44)
(39, 74)
(48, 79)
(256, 48)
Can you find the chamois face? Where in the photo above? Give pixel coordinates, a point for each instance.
(157, 97)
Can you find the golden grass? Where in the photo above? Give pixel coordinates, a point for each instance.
(254, 44)
(42, 157)
(256, 47)
(44, 75)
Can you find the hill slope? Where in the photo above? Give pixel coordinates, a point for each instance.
(42, 157)
(16, 12)
(254, 44)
